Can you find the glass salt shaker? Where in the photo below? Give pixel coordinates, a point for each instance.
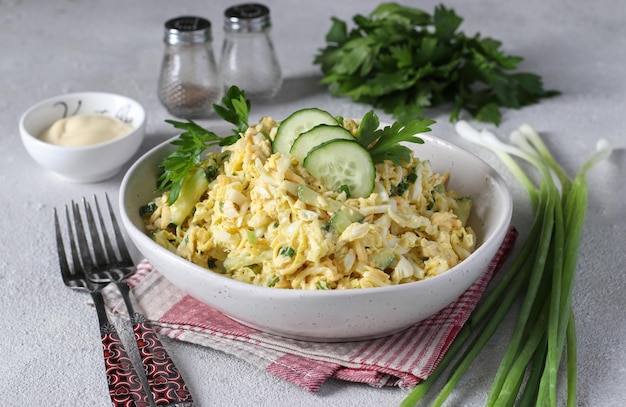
(248, 59)
(189, 81)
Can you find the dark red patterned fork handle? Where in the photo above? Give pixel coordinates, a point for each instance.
(125, 386)
(164, 379)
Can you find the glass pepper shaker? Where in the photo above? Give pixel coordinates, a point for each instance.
(189, 81)
(248, 59)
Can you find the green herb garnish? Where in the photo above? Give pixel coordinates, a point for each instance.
(273, 281)
(287, 251)
(384, 144)
(400, 189)
(148, 209)
(236, 110)
(345, 188)
(322, 285)
(404, 60)
(195, 140)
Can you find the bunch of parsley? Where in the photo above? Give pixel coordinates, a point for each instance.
(403, 60)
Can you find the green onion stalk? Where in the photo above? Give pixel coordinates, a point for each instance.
(541, 277)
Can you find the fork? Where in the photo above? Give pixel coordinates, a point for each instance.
(125, 387)
(166, 383)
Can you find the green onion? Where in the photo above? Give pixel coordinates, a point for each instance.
(542, 276)
(251, 236)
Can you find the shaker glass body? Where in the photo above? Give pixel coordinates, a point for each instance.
(248, 59)
(189, 81)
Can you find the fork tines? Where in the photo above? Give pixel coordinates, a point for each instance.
(71, 274)
(100, 260)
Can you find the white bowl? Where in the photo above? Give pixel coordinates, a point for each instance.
(92, 163)
(339, 315)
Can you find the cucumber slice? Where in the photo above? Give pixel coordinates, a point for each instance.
(340, 221)
(194, 186)
(319, 134)
(382, 258)
(233, 263)
(310, 197)
(342, 162)
(299, 122)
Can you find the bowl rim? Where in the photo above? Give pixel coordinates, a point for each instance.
(500, 229)
(27, 135)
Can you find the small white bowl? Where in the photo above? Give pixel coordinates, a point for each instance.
(338, 315)
(91, 163)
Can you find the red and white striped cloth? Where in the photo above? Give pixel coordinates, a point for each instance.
(401, 360)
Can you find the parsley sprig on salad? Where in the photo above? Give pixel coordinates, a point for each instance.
(329, 152)
(384, 144)
(403, 60)
(195, 139)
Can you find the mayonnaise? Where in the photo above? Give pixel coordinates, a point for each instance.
(85, 130)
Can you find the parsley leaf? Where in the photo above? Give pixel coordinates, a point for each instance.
(195, 139)
(404, 60)
(272, 282)
(322, 285)
(345, 188)
(287, 251)
(180, 162)
(236, 110)
(383, 144)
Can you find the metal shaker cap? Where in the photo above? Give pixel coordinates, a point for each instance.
(187, 30)
(248, 17)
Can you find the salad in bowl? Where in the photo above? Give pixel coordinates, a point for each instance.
(316, 227)
(314, 202)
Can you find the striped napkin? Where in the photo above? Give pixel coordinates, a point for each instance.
(402, 359)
